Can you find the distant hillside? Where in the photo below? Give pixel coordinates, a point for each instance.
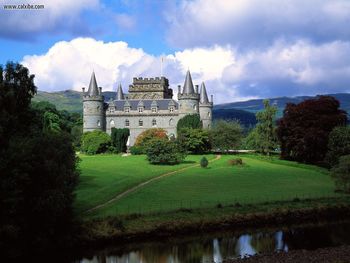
(244, 110)
(257, 105)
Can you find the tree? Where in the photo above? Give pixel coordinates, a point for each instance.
(189, 121)
(266, 139)
(164, 151)
(226, 135)
(304, 128)
(38, 171)
(338, 144)
(144, 137)
(195, 141)
(95, 142)
(119, 138)
(341, 174)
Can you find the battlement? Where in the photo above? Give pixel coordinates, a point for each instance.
(150, 88)
(156, 80)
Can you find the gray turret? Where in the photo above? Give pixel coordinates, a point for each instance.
(120, 94)
(188, 99)
(205, 107)
(93, 107)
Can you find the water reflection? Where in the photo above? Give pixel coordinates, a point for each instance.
(215, 249)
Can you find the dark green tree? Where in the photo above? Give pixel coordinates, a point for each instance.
(338, 144)
(195, 141)
(119, 138)
(204, 162)
(226, 135)
(37, 172)
(189, 121)
(265, 134)
(341, 174)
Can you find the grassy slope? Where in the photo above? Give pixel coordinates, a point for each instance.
(105, 176)
(259, 180)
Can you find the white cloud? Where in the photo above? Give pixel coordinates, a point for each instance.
(299, 68)
(254, 23)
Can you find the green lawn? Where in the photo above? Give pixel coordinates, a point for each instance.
(105, 176)
(259, 180)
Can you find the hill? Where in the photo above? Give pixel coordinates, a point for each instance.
(244, 110)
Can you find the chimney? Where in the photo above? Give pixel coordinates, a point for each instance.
(211, 98)
(100, 90)
(197, 89)
(178, 89)
(83, 90)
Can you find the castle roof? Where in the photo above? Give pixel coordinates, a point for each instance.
(162, 104)
(120, 94)
(203, 94)
(188, 85)
(93, 88)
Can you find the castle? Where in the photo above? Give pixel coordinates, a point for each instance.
(149, 104)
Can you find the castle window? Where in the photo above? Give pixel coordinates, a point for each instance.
(154, 109)
(171, 109)
(111, 110)
(127, 109)
(171, 122)
(140, 123)
(98, 124)
(112, 124)
(154, 122)
(140, 109)
(194, 107)
(127, 123)
(208, 113)
(98, 108)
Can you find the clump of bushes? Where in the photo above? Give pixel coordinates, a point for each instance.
(164, 151)
(204, 162)
(95, 142)
(341, 174)
(237, 161)
(137, 150)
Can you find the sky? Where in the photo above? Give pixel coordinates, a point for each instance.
(241, 49)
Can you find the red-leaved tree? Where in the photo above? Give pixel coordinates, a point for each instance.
(304, 129)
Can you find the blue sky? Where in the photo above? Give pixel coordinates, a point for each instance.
(241, 49)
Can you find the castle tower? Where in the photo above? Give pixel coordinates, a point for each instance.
(205, 108)
(93, 107)
(120, 94)
(189, 98)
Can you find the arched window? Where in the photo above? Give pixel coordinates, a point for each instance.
(98, 124)
(171, 122)
(208, 113)
(140, 123)
(154, 122)
(127, 123)
(98, 108)
(194, 106)
(111, 123)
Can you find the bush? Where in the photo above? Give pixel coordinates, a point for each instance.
(137, 150)
(163, 151)
(341, 174)
(226, 135)
(237, 161)
(95, 142)
(204, 162)
(149, 134)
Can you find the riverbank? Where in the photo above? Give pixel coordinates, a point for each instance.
(138, 227)
(324, 255)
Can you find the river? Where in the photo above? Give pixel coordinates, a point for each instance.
(215, 247)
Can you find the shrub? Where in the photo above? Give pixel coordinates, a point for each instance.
(237, 161)
(204, 162)
(149, 134)
(226, 135)
(137, 150)
(163, 151)
(341, 174)
(95, 142)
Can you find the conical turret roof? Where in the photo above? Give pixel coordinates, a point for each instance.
(188, 85)
(120, 94)
(93, 88)
(203, 94)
